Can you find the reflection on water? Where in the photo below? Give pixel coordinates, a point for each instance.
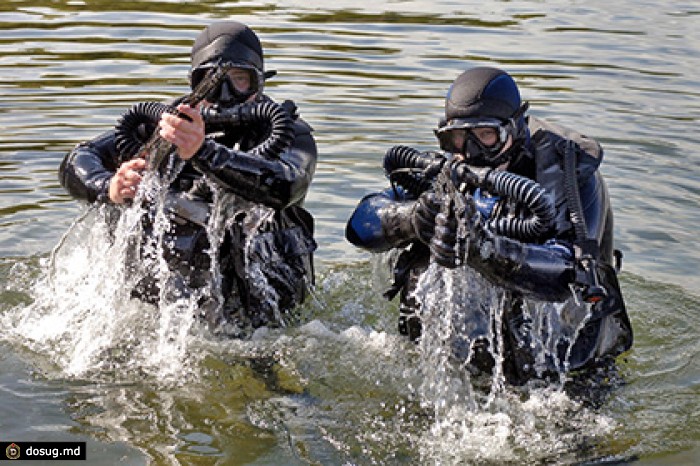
(345, 387)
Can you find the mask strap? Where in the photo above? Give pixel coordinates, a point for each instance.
(513, 120)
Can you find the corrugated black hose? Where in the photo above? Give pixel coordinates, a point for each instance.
(528, 193)
(132, 128)
(135, 125)
(282, 126)
(412, 170)
(415, 172)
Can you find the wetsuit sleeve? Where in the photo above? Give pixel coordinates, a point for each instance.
(85, 171)
(276, 183)
(381, 221)
(544, 270)
(540, 271)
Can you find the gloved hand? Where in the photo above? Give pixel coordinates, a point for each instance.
(427, 207)
(443, 246)
(447, 246)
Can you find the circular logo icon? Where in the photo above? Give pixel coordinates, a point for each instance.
(12, 451)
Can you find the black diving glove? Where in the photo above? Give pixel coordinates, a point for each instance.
(425, 211)
(449, 245)
(443, 246)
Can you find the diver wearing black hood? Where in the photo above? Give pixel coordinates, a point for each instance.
(536, 222)
(244, 165)
(234, 43)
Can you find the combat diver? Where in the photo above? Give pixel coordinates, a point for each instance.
(535, 220)
(240, 149)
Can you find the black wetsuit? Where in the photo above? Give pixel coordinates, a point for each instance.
(282, 245)
(540, 270)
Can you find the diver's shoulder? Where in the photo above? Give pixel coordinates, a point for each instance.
(545, 130)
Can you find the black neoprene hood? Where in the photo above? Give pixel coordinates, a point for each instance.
(482, 92)
(227, 41)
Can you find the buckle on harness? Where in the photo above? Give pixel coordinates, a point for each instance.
(586, 276)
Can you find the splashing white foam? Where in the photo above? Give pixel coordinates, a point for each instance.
(478, 420)
(83, 315)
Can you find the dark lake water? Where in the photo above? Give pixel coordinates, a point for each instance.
(342, 388)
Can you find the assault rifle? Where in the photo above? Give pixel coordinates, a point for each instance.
(156, 149)
(459, 208)
(455, 179)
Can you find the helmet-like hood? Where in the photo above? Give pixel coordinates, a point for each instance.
(227, 41)
(483, 97)
(482, 92)
(232, 43)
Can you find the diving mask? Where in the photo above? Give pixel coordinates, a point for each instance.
(240, 83)
(480, 140)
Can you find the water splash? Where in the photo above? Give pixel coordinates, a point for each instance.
(476, 413)
(456, 315)
(539, 426)
(84, 314)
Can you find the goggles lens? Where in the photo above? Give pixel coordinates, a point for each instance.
(489, 133)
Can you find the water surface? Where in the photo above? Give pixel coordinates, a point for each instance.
(343, 387)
